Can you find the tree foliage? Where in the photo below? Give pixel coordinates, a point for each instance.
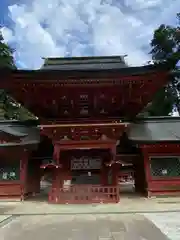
(166, 48)
(6, 55)
(9, 108)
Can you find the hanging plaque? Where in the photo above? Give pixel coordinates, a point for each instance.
(85, 163)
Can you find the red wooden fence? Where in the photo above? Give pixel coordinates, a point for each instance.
(81, 194)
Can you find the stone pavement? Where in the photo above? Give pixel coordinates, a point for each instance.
(135, 215)
(168, 223)
(81, 227)
(126, 205)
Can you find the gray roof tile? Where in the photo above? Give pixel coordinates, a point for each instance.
(155, 130)
(84, 63)
(29, 135)
(15, 131)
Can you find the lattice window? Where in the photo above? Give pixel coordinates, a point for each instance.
(165, 166)
(9, 170)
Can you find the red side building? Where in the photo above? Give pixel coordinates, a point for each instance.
(89, 132)
(17, 175)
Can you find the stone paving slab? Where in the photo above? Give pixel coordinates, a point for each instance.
(81, 227)
(3, 218)
(136, 205)
(5, 208)
(125, 206)
(168, 223)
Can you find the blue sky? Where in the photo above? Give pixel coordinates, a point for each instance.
(53, 28)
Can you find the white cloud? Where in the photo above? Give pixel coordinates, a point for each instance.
(142, 4)
(45, 28)
(7, 34)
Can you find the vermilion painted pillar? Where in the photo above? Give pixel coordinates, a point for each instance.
(115, 169)
(56, 172)
(104, 174)
(147, 168)
(56, 159)
(56, 153)
(105, 168)
(23, 172)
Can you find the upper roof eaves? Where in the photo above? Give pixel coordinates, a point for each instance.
(84, 63)
(98, 66)
(95, 59)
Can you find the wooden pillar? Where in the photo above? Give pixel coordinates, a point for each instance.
(146, 169)
(56, 172)
(104, 170)
(104, 174)
(56, 158)
(36, 177)
(56, 153)
(23, 172)
(115, 169)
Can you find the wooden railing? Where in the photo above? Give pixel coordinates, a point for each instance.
(81, 194)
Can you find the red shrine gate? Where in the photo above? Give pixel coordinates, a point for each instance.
(86, 170)
(83, 104)
(83, 177)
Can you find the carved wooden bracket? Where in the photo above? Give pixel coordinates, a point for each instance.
(79, 132)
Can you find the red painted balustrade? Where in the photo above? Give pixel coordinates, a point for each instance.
(81, 194)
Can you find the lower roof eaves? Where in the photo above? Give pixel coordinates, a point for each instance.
(155, 130)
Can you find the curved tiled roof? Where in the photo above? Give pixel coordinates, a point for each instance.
(84, 63)
(155, 130)
(27, 134)
(16, 131)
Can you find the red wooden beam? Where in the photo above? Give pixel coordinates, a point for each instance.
(67, 145)
(77, 131)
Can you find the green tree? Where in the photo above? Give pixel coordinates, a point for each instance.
(9, 108)
(166, 48)
(6, 61)
(6, 55)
